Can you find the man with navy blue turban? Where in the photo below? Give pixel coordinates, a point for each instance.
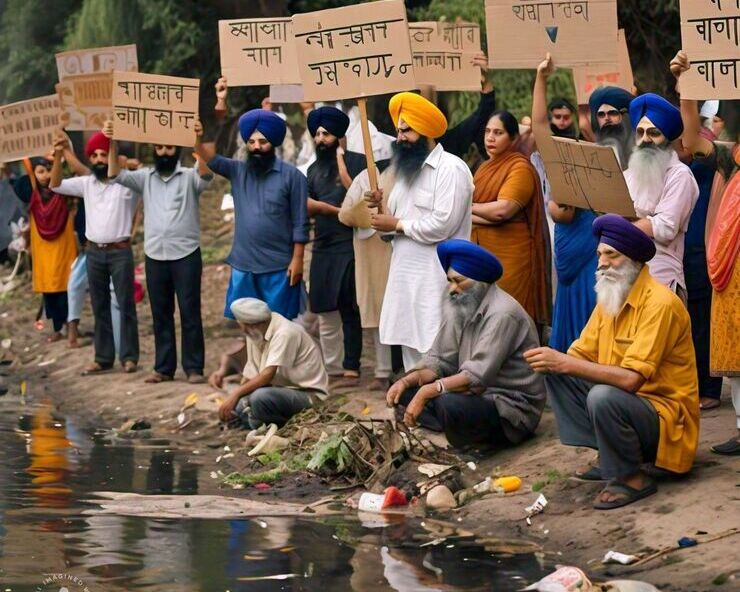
(271, 217)
(663, 189)
(474, 383)
(332, 274)
(610, 121)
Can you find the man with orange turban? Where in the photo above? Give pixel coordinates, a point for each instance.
(430, 202)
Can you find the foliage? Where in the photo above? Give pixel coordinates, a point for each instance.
(253, 478)
(331, 453)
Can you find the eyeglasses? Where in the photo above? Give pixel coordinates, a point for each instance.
(651, 132)
(611, 114)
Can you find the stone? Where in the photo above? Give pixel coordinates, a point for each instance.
(440, 498)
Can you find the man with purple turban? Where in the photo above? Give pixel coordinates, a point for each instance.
(662, 188)
(271, 219)
(332, 285)
(474, 383)
(627, 386)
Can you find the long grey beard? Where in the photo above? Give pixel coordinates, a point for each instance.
(614, 285)
(648, 167)
(462, 307)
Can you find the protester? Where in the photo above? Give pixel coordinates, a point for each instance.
(332, 272)
(474, 384)
(372, 262)
(574, 243)
(508, 218)
(662, 188)
(271, 220)
(109, 213)
(430, 202)
(283, 372)
(173, 261)
(709, 165)
(610, 120)
(561, 113)
(724, 273)
(637, 342)
(52, 246)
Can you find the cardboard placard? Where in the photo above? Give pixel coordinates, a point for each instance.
(710, 31)
(586, 175)
(258, 51)
(87, 99)
(442, 53)
(286, 93)
(27, 128)
(155, 109)
(354, 51)
(85, 75)
(574, 32)
(588, 78)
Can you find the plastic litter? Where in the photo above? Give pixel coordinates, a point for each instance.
(376, 502)
(565, 579)
(506, 484)
(536, 508)
(687, 542)
(617, 557)
(630, 586)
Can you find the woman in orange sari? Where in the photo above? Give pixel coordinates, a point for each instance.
(508, 217)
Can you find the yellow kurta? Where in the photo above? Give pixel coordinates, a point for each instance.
(652, 336)
(52, 259)
(724, 353)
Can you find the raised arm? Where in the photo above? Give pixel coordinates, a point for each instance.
(540, 117)
(56, 167)
(222, 91)
(691, 139)
(114, 167)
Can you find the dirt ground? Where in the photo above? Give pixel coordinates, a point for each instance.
(705, 501)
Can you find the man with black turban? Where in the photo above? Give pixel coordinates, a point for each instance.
(627, 386)
(332, 274)
(662, 188)
(474, 383)
(271, 218)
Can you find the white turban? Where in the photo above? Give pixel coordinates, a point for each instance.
(250, 310)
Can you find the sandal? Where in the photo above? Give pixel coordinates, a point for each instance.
(129, 367)
(707, 403)
(156, 378)
(729, 448)
(591, 474)
(96, 368)
(627, 494)
(195, 378)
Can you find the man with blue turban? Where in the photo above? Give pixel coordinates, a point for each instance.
(332, 274)
(627, 386)
(610, 121)
(271, 218)
(663, 189)
(474, 383)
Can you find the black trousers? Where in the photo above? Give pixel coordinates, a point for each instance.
(166, 280)
(56, 307)
(351, 322)
(466, 419)
(102, 267)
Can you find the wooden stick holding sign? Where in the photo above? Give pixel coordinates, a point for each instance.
(352, 53)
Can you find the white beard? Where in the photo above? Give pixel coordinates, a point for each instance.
(461, 307)
(648, 168)
(614, 285)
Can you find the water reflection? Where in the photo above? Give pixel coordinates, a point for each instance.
(49, 467)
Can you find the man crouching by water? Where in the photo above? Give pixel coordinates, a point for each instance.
(474, 384)
(283, 372)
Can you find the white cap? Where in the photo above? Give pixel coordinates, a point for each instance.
(250, 310)
(709, 108)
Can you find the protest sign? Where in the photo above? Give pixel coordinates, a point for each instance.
(27, 128)
(154, 108)
(258, 51)
(87, 99)
(586, 175)
(286, 93)
(588, 78)
(709, 36)
(354, 51)
(85, 75)
(575, 33)
(442, 54)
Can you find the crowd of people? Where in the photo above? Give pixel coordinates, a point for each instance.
(452, 272)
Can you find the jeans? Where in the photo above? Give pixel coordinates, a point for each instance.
(271, 404)
(166, 280)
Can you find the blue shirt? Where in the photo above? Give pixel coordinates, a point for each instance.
(703, 169)
(270, 214)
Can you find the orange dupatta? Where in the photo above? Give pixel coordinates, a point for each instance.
(724, 242)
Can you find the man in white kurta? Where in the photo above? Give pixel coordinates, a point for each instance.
(430, 202)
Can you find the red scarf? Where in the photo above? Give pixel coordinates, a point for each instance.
(50, 214)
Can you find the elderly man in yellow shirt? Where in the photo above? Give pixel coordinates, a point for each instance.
(627, 386)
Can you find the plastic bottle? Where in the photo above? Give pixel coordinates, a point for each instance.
(506, 484)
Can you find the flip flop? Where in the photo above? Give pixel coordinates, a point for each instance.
(729, 448)
(156, 378)
(96, 368)
(712, 404)
(630, 494)
(592, 474)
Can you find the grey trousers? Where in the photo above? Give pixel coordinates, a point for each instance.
(623, 427)
(271, 404)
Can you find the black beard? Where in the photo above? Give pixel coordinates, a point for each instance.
(618, 136)
(100, 171)
(165, 164)
(409, 157)
(569, 132)
(260, 162)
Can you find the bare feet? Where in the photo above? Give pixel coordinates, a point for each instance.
(54, 337)
(156, 378)
(707, 403)
(129, 367)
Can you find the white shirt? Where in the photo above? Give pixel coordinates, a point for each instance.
(669, 217)
(109, 207)
(294, 352)
(436, 206)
